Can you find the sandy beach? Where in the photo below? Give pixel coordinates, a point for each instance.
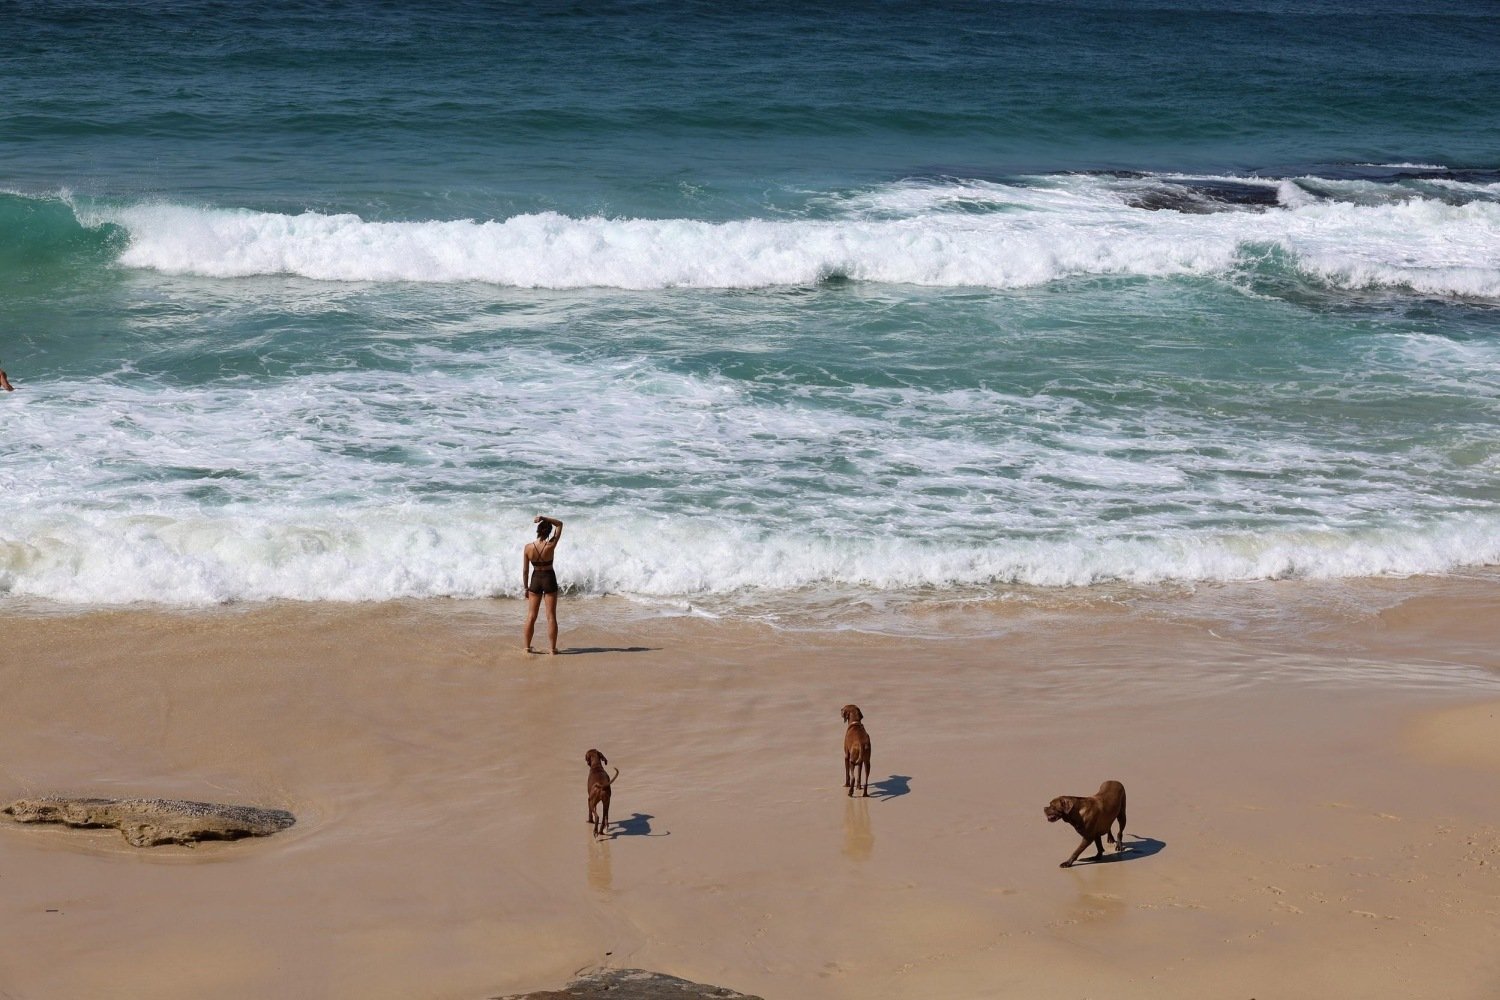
(1311, 773)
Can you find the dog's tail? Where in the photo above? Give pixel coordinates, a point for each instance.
(617, 775)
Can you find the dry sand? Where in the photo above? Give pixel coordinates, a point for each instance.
(1312, 774)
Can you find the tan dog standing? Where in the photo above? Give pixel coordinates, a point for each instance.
(856, 749)
(599, 790)
(1091, 816)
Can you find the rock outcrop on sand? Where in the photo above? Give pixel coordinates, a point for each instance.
(148, 822)
(632, 984)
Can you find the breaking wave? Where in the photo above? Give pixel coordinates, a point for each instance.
(381, 554)
(1433, 233)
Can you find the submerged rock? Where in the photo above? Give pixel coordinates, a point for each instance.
(632, 984)
(148, 822)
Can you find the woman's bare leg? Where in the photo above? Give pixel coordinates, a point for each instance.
(551, 623)
(533, 604)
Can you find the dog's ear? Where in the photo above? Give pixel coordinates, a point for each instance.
(603, 759)
(1067, 805)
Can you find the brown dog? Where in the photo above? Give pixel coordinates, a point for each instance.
(599, 785)
(1091, 816)
(856, 749)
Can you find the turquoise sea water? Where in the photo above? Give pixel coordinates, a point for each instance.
(325, 300)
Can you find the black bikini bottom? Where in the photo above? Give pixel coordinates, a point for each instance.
(543, 580)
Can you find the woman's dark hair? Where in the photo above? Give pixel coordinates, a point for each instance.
(543, 531)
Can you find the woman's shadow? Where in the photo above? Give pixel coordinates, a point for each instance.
(576, 650)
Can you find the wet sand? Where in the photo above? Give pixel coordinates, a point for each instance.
(1312, 777)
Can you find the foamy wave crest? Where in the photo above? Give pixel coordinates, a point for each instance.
(387, 554)
(553, 251)
(1422, 245)
(949, 233)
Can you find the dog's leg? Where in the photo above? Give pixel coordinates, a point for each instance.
(867, 775)
(1074, 856)
(849, 767)
(1098, 848)
(1120, 844)
(604, 818)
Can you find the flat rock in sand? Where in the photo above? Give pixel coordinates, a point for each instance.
(148, 822)
(632, 984)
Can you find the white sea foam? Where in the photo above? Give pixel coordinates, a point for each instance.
(344, 485)
(1293, 195)
(111, 558)
(942, 233)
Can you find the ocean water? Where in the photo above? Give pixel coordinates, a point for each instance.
(326, 300)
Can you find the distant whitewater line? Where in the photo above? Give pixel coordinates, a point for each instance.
(387, 554)
(1428, 235)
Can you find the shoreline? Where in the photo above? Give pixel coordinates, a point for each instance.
(890, 612)
(1298, 822)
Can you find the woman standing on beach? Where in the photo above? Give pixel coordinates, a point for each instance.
(539, 579)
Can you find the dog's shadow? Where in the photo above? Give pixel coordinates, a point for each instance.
(1136, 847)
(577, 650)
(893, 787)
(638, 825)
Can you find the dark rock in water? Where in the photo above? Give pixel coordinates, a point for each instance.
(1202, 197)
(632, 984)
(1468, 176)
(148, 822)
